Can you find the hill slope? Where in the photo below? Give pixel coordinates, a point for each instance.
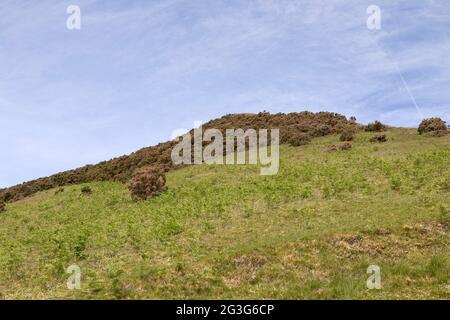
(121, 168)
(226, 232)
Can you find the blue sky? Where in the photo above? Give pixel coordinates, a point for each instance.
(138, 70)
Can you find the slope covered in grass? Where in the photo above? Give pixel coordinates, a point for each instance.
(226, 232)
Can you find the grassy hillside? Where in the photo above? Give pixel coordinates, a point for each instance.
(226, 232)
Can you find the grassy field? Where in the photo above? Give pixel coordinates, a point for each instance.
(226, 232)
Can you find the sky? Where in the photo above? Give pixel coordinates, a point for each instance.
(138, 70)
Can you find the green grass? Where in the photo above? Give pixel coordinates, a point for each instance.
(225, 232)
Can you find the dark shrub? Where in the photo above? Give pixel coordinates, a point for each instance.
(347, 135)
(298, 139)
(322, 130)
(376, 126)
(378, 138)
(435, 126)
(2, 206)
(147, 182)
(86, 190)
(345, 146)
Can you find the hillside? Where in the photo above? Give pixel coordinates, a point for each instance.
(120, 169)
(309, 232)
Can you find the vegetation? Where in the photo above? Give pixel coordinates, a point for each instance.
(147, 182)
(86, 190)
(378, 138)
(376, 126)
(434, 126)
(345, 146)
(226, 232)
(347, 135)
(297, 124)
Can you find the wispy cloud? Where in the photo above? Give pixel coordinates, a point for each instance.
(137, 70)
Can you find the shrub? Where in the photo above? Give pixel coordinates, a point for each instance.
(345, 146)
(86, 190)
(332, 148)
(298, 139)
(347, 135)
(147, 182)
(322, 130)
(2, 206)
(435, 126)
(376, 126)
(378, 138)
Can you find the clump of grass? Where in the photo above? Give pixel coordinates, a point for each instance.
(86, 190)
(444, 215)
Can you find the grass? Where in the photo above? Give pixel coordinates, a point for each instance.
(225, 232)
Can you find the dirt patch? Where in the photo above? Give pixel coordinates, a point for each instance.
(384, 242)
(245, 269)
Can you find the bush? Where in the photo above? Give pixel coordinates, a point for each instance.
(331, 148)
(299, 139)
(435, 126)
(147, 182)
(322, 130)
(378, 138)
(345, 146)
(2, 206)
(86, 190)
(347, 135)
(376, 126)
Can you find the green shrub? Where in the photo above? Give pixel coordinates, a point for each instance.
(86, 190)
(2, 206)
(434, 126)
